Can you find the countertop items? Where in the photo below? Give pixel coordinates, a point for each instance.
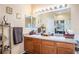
(53, 38)
(71, 36)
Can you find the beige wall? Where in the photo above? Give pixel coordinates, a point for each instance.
(39, 6)
(24, 10)
(75, 18)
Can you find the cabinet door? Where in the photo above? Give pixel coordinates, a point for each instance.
(62, 50)
(36, 46)
(65, 48)
(48, 50)
(28, 45)
(36, 49)
(66, 45)
(48, 47)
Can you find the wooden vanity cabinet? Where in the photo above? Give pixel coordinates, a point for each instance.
(62, 50)
(28, 45)
(32, 45)
(36, 46)
(48, 47)
(40, 46)
(65, 48)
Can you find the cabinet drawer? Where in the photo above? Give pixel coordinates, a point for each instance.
(48, 50)
(28, 45)
(48, 43)
(65, 51)
(27, 38)
(36, 41)
(36, 49)
(65, 45)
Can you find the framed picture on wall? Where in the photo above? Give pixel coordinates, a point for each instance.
(18, 16)
(9, 10)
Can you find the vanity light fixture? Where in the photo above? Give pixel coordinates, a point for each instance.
(60, 6)
(56, 7)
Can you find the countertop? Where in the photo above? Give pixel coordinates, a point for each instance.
(53, 38)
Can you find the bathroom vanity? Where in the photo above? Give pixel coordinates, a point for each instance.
(37, 44)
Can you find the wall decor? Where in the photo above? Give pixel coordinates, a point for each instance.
(18, 16)
(9, 10)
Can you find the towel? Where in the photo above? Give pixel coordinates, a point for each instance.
(17, 35)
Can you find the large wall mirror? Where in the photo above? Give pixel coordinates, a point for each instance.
(57, 22)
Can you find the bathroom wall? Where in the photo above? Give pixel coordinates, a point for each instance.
(23, 10)
(75, 18)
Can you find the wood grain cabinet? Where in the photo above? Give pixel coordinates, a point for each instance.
(28, 45)
(40, 46)
(36, 46)
(65, 48)
(62, 50)
(48, 47)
